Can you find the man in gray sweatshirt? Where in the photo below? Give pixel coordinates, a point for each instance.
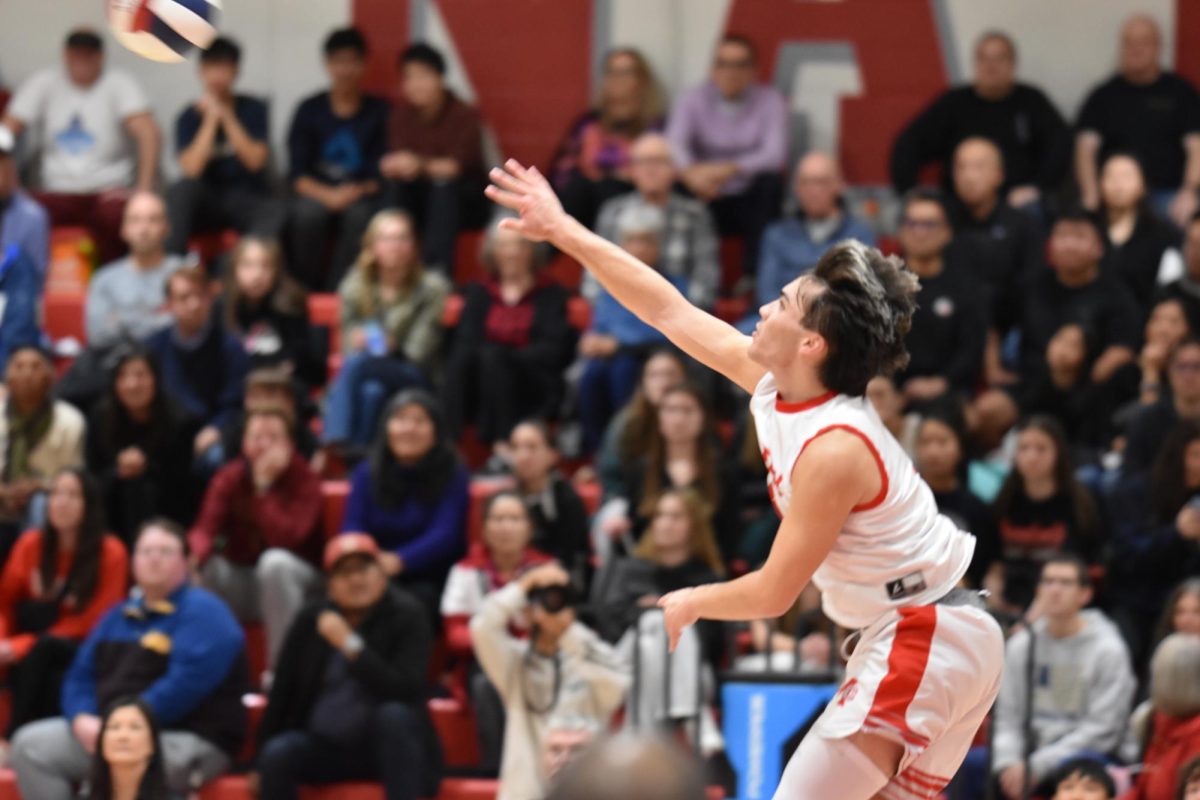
(1082, 683)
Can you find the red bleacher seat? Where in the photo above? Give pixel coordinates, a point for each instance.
(733, 250)
(889, 245)
(455, 724)
(212, 245)
(72, 259)
(467, 266)
(8, 785)
(256, 652)
(62, 316)
(324, 310)
(452, 310)
(591, 493)
(333, 506)
(567, 271)
(579, 313)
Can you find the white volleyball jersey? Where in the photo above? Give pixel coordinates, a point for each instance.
(893, 551)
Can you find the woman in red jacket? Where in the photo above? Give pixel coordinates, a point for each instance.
(57, 583)
(1174, 736)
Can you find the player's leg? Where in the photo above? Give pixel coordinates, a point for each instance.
(822, 768)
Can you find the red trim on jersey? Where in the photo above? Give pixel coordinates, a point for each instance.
(878, 499)
(917, 783)
(906, 669)
(785, 407)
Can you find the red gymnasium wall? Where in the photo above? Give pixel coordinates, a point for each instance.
(530, 61)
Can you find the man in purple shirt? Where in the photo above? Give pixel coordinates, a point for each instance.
(729, 137)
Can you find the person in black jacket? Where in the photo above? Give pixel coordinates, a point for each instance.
(348, 698)
(511, 345)
(1018, 117)
(1136, 238)
(139, 447)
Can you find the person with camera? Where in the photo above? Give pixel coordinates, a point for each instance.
(562, 668)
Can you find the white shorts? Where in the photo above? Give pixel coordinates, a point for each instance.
(926, 677)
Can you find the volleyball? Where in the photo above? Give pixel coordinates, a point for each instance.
(164, 30)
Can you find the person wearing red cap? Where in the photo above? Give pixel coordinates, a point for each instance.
(348, 699)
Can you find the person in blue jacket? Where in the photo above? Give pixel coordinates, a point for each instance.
(20, 299)
(411, 496)
(177, 647)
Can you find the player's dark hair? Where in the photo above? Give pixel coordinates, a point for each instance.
(223, 50)
(864, 313)
(84, 39)
(741, 40)
(346, 39)
(1086, 768)
(424, 54)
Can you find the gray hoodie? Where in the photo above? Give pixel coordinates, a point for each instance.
(1083, 688)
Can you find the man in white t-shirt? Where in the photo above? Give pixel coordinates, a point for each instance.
(94, 137)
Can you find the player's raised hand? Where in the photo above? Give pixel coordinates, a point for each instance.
(530, 195)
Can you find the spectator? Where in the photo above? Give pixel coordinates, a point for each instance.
(997, 244)
(126, 299)
(335, 143)
(1081, 702)
(84, 116)
(628, 433)
(1136, 240)
(391, 328)
(690, 246)
(1083, 779)
(1174, 729)
(941, 458)
(617, 343)
(410, 495)
(683, 452)
(23, 221)
(42, 436)
(890, 405)
(1181, 611)
(1031, 134)
(1074, 291)
(1153, 114)
(1186, 288)
(594, 162)
(1156, 525)
(511, 344)
(203, 365)
(139, 447)
(56, 584)
(677, 550)
(222, 142)
(1150, 425)
(348, 701)
(21, 299)
(1042, 511)
(729, 137)
(946, 340)
(558, 516)
(268, 311)
(503, 556)
(255, 541)
(128, 761)
(563, 668)
(270, 387)
(791, 247)
(177, 648)
(435, 167)
(1167, 327)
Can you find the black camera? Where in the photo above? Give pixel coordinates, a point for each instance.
(554, 599)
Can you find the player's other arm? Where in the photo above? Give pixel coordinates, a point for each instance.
(835, 473)
(635, 285)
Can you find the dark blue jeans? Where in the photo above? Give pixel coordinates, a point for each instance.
(357, 396)
(390, 753)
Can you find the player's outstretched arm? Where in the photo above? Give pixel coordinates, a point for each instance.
(835, 473)
(636, 286)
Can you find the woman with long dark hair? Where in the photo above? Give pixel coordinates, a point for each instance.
(128, 763)
(139, 445)
(410, 495)
(1135, 238)
(1041, 511)
(1156, 522)
(56, 584)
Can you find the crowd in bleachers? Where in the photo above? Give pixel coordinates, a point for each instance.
(311, 424)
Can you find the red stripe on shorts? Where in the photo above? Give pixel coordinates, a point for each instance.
(906, 668)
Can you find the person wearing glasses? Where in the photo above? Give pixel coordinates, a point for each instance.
(1080, 701)
(730, 139)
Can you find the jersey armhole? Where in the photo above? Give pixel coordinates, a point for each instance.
(878, 499)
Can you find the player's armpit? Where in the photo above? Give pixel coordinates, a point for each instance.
(835, 473)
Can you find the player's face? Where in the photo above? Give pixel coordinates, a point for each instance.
(1081, 787)
(780, 334)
